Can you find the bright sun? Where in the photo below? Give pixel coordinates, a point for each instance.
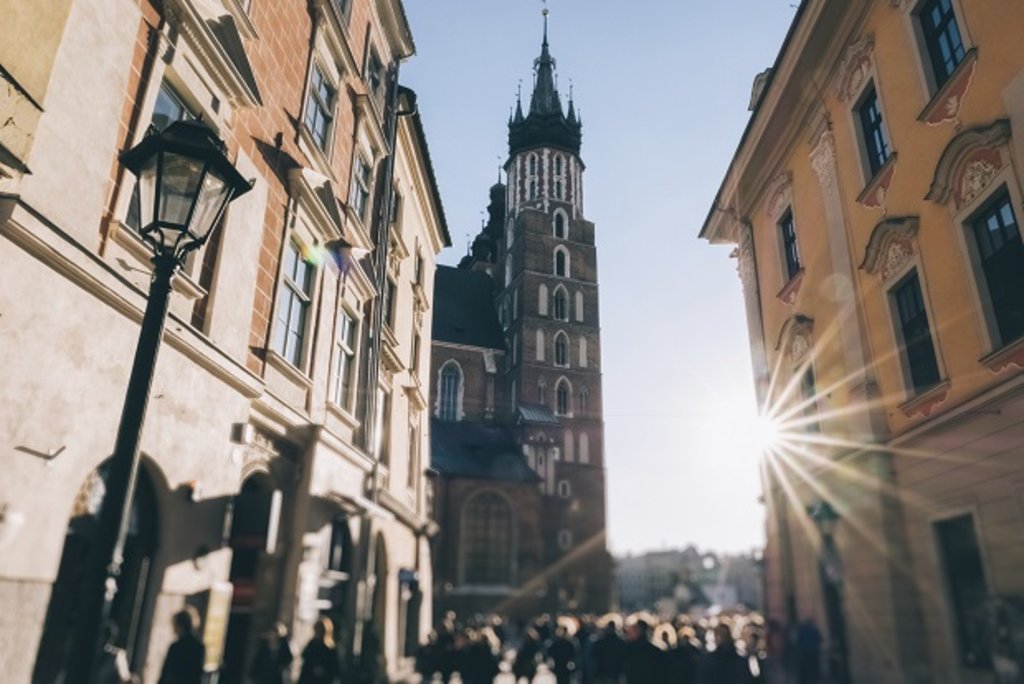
(736, 435)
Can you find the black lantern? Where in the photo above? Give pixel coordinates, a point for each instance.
(185, 182)
(825, 517)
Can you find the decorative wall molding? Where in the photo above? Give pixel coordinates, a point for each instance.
(945, 105)
(780, 194)
(877, 190)
(892, 244)
(969, 163)
(823, 158)
(855, 67)
(796, 338)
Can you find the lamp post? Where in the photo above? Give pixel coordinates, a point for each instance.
(830, 570)
(185, 182)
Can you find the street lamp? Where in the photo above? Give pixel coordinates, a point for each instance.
(831, 571)
(185, 183)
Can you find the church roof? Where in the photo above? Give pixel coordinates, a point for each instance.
(464, 310)
(533, 413)
(479, 451)
(546, 123)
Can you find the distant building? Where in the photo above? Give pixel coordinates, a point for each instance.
(688, 578)
(517, 430)
(875, 202)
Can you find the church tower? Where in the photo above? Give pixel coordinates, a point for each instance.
(547, 298)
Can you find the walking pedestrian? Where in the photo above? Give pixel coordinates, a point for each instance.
(609, 655)
(184, 661)
(320, 657)
(525, 664)
(645, 662)
(273, 657)
(562, 653)
(724, 665)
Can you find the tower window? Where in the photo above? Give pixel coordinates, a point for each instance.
(560, 225)
(561, 262)
(1001, 254)
(788, 232)
(564, 489)
(563, 398)
(561, 304)
(942, 38)
(561, 350)
(916, 333)
(876, 140)
(450, 391)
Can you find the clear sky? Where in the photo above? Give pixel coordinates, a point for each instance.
(663, 88)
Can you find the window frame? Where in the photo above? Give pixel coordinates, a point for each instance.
(469, 518)
(561, 341)
(441, 411)
(911, 384)
(953, 619)
(928, 48)
(563, 388)
(876, 153)
(560, 250)
(791, 262)
(560, 294)
(345, 354)
(326, 109)
(996, 200)
(305, 297)
(560, 215)
(361, 187)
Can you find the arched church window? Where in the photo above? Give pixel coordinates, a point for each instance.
(561, 262)
(561, 349)
(561, 305)
(488, 544)
(563, 398)
(450, 393)
(560, 225)
(584, 399)
(559, 184)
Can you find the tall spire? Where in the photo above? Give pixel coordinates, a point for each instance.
(545, 98)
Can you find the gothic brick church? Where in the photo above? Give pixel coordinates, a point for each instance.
(517, 435)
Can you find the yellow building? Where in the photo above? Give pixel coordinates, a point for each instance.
(874, 200)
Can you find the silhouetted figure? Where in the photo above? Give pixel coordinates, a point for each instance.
(562, 652)
(645, 662)
(273, 657)
(684, 659)
(479, 664)
(609, 656)
(112, 664)
(184, 661)
(525, 664)
(427, 657)
(724, 665)
(320, 657)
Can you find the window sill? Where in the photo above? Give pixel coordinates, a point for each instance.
(874, 193)
(789, 291)
(945, 103)
(128, 239)
(319, 159)
(343, 414)
(285, 367)
(924, 403)
(1011, 354)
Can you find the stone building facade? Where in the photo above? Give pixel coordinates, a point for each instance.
(263, 495)
(536, 366)
(874, 201)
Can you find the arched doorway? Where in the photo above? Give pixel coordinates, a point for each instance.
(132, 609)
(254, 516)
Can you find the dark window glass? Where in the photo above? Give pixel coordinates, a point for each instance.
(561, 305)
(562, 398)
(488, 540)
(385, 436)
(561, 350)
(560, 226)
(917, 336)
(389, 303)
(788, 231)
(345, 362)
(319, 105)
(809, 396)
(293, 305)
(375, 76)
(560, 265)
(968, 589)
(942, 38)
(1002, 260)
(451, 378)
(876, 140)
(359, 197)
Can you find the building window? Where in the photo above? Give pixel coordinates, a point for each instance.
(559, 184)
(414, 355)
(967, 587)
(1001, 255)
(561, 305)
(563, 394)
(375, 76)
(395, 213)
(414, 455)
(388, 302)
(542, 392)
(788, 232)
(564, 489)
(531, 177)
(359, 197)
(561, 262)
(293, 306)
(876, 140)
(385, 428)
(417, 273)
(942, 38)
(488, 540)
(450, 390)
(584, 400)
(345, 362)
(319, 107)
(564, 540)
(809, 399)
(560, 225)
(916, 333)
(579, 307)
(561, 350)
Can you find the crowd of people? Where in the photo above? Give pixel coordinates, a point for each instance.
(638, 649)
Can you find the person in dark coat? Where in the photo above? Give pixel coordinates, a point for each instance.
(609, 656)
(562, 652)
(645, 662)
(320, 657)
(273, 657)
(684, 659)
(724, 665)
(479, 664)
(525, 664)
(184, 661)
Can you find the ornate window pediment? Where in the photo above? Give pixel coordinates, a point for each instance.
(316, 199)
(795, 338)
(855, 68)
(893, 243)
(969, 164)
(780, 195)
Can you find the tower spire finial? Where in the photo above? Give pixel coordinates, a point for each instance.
(545, 13)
